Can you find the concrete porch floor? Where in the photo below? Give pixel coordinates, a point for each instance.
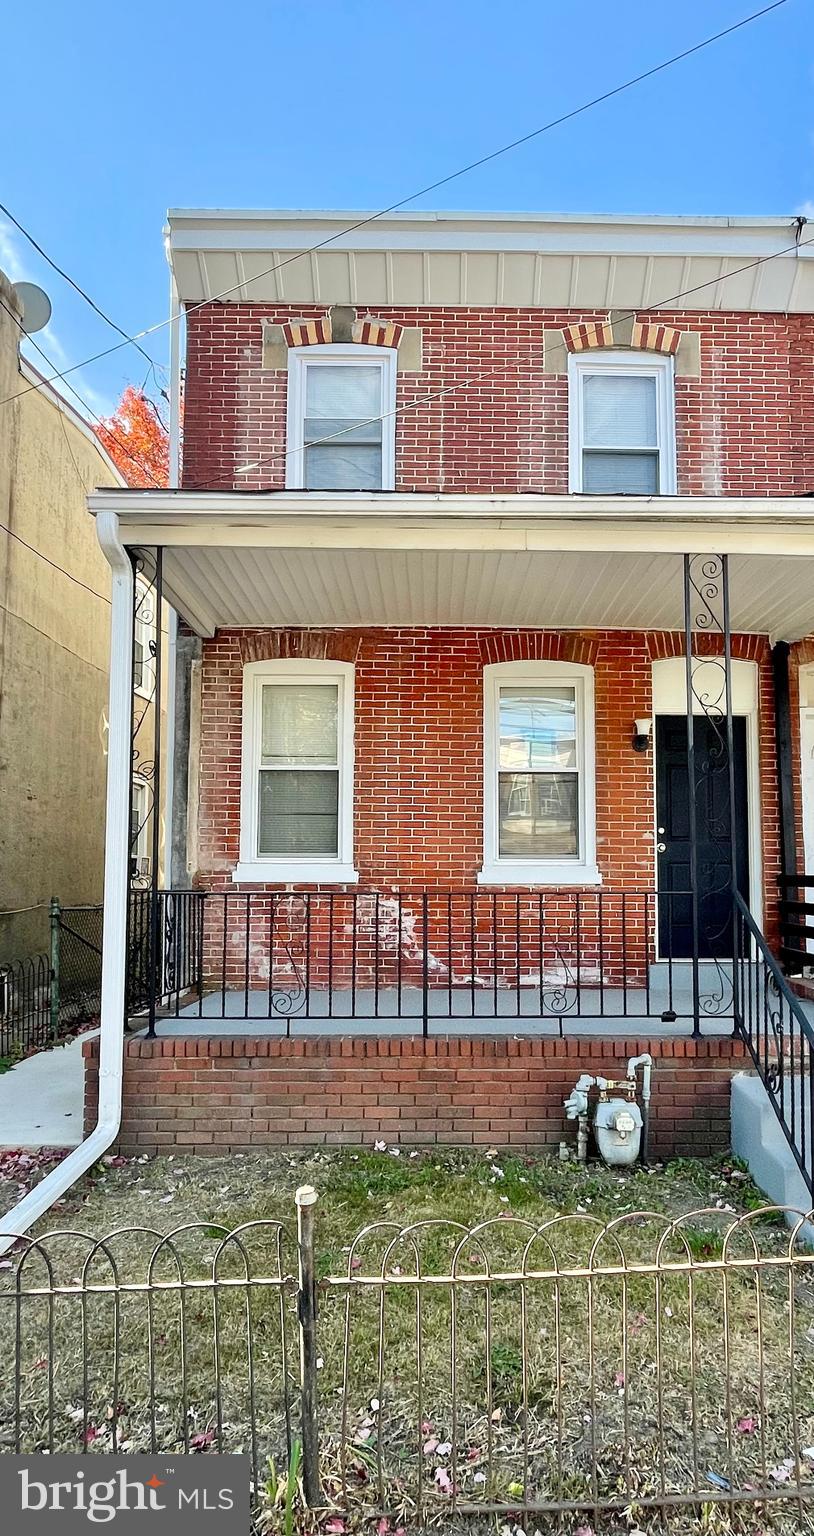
(611, 1014)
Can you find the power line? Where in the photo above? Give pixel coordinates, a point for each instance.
(4, 528)
(76, 286)
(93, 414)
(53, 640)
(412, 405)
(433, 186)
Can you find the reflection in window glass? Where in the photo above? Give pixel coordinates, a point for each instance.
(538, 783)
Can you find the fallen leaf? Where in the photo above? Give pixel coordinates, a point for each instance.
(747, 1425)
(619, 1379)
(443, 1480)
(430, 1447)
(202, 1441)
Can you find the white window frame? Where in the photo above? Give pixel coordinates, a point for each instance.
(581, 870)
(143, 634)
(141, 849)
(302, 358)
(261, 868)
(645, 365)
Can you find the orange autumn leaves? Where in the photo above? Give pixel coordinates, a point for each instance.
(137, 440)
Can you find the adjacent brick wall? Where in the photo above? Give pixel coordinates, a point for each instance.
(745, 427)
(217, 1096)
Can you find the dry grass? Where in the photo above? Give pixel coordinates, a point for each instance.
(607, 1425)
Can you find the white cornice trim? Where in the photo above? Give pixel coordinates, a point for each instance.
(526, 260)
(253, 508)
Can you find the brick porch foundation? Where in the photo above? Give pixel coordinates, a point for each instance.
(216, 1096)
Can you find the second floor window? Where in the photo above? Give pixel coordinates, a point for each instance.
(621, 428)
(341, 427)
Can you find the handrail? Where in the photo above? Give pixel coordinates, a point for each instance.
(779, 1036)
(796, 926)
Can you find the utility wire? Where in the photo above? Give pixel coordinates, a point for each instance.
(432, 186)
(412, 405)
(4, 528)
(131, 340)
(93, 414)
(280, 455)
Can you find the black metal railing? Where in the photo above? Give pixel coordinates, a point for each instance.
(430, 958)
(168, 965)
(25, 1005)
(797, 923)
(779, 1036)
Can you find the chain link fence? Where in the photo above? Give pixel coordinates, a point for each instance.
(45, 997)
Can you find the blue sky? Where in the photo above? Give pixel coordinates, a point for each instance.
(115, 113)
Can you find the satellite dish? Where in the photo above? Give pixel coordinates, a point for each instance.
(36, 307)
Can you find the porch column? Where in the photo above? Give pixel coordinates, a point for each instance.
(709, 695)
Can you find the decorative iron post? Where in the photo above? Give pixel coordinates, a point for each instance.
(306, 1199)
(144, 959)
(155, 925)
(709, 697)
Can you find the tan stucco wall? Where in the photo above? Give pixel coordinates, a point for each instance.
(53, 658)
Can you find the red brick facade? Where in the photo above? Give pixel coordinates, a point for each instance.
(419, 747)
(744, 427)
(218, 1096)
(486, 413)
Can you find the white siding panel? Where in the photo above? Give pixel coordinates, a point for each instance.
(481, 278)
(628, 282)
(542, 589)
(371, 278)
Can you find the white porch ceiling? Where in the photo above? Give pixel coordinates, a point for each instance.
(217, 586)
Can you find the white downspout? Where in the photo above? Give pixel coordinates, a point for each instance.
(114, 951)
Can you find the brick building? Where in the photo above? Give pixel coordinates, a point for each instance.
(482, 522)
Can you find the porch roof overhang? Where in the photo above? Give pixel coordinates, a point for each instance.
(294, 558)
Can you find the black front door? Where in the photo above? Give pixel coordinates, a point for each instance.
(713, 835)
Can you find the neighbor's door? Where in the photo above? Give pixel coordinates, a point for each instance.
(713, 835)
